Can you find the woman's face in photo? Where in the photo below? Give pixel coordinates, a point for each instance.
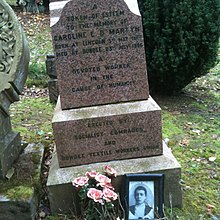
(140, 197)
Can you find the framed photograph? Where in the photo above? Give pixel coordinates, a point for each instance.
(143, 196)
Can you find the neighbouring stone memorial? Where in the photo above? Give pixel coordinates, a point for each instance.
(104, 112)
(52, 82)
(14, 59)
(20, 164)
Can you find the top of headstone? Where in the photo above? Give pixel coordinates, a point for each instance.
(99, 50)
(12, 47)
(57, 5)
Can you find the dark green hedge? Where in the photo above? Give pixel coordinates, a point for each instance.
(181, 39)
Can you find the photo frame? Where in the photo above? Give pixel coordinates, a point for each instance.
(143, 196)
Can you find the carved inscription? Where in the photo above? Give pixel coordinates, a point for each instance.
(122, 137)
(7, 41)
(106, 50)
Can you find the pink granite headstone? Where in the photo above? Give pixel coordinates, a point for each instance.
(99, 50)
(104, 112)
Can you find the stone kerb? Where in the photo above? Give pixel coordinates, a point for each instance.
(99, 50)
(14, 59)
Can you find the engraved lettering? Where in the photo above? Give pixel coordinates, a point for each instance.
(92, 69)
(118, 31)
(94, 7)
(107, 77)
(117, 66)
(135, 29)
(121, 84)
(85, 25)
(62, 54)
(112, 13)
(100, 124)
(105, 23)
(93, 78)
(93, 42)
(88, 135)
(110, 143)
(100, 153)
(122, 39)
(69, 36)
(92, 50)
(127, 131)
(127, 150)
(81, 89)
(60, 46)
(101, 86)
(77, 18)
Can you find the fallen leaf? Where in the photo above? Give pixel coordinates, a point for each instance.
(210, 208)
(197, 131)
(184, 142)
(212, 159)
(215, 136)
(42, 214)
(187, 188)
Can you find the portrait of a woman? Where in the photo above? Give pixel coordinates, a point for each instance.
(140, 209)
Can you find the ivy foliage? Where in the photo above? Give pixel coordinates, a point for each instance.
(181, 41)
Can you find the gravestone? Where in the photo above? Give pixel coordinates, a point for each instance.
(52, 82)
(14, 59)
(99, 53)
(86, 131)
(20, 165)
(33, 6)
(105, 112)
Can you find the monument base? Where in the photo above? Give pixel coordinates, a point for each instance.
(107, 132)
(62, 194)
(10, 148)
(19, 196)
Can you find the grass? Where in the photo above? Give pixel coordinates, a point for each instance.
(191, 121)
(32, 118)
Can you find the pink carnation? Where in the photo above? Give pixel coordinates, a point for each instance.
(102, 179)
(95, 194)
(109, 195)
(110, 171)
(80, 181)
(104, 184)
(92, 174)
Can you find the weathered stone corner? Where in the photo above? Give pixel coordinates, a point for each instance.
(19, 195)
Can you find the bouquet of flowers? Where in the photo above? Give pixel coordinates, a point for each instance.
(97, 195)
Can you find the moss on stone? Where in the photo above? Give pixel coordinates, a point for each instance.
(26, 179)
(35, 158)
(20, 193)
